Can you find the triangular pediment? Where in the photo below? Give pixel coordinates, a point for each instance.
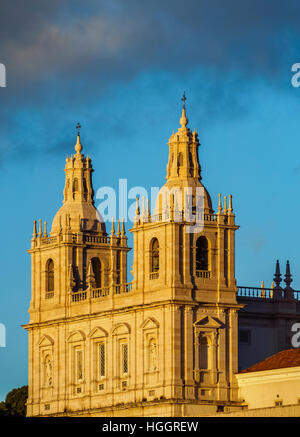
(46, 340)
(98, 332)
(150, 323)
(76, 336)
(208, 322)
(121, 328)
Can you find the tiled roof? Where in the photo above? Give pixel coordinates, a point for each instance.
(287, 358)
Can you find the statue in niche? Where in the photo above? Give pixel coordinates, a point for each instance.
(152, 354)
(48, 369)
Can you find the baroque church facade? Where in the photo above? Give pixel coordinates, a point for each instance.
(165, 344)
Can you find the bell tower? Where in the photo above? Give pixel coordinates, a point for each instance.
(184, 265)
(74, 269)
(163, 345)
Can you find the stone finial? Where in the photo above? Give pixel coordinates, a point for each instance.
(183, 120)
(118, 229)
(112, 227)
(277, 276)
(263, 291)
(225, 205)
(144, 214)
(230, 210)
(220, 204)
(123, 228)
(137, 209)
(45, 229)
(78, 146)
(277, 293)
(34, 235)
(40, 228)
(90, 276)
(288, 277)
(148, 210)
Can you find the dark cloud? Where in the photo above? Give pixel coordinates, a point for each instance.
(60, 52)
(120, 38)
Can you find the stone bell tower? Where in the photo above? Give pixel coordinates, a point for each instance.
(73, 270)
(163, 345)
(184, 270)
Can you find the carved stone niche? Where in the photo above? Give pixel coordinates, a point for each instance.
(206, 343)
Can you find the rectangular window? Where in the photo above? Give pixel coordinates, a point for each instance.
(124, 352)
(245, 336)
(101, 360)
(79, 365)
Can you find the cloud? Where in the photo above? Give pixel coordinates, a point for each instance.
(131, 35)
(63, 54)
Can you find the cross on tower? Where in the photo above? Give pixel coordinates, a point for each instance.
(183, 98)
(78, 126)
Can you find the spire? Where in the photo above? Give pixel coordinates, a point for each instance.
(288, 291)
(78, 146)
(118, 230)
(183, 121)
(288, 277)
(277, 276)
(277, 294)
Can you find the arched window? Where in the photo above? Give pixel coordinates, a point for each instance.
(180, 159)
(96, 265)
(49, 278)
(84, 189)
(118, 268)
(75, 187)
(154, 258)
(202, 261)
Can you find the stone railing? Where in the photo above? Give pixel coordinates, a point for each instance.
(178, 216)
(154, 275)
(96, 239)
(123, 288)
(79, 296)
(100, 292)
(203, 273)
(95, 293)
(92, 239)
(264, 293)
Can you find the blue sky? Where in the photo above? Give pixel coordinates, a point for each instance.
(120, 68)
